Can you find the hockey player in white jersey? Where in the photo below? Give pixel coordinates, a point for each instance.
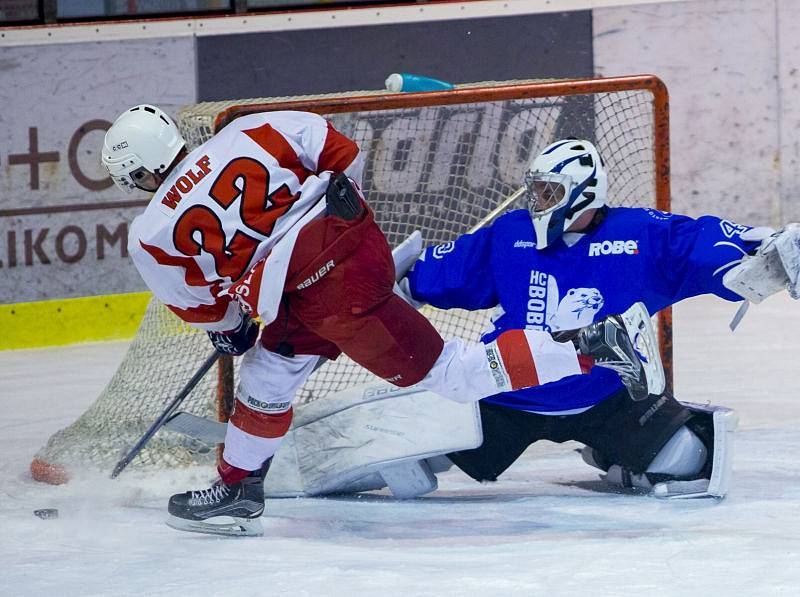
(266, 219)
(569, 259)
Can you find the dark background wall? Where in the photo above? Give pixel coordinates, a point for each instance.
(350, 58)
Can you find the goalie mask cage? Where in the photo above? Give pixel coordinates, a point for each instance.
(443, 162)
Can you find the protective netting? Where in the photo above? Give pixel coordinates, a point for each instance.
(441, 169)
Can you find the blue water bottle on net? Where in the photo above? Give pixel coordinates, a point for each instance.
(407, 82)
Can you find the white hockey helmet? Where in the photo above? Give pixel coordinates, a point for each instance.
(142, 142)
(562, 182)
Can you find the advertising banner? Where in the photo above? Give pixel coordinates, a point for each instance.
(63, 224)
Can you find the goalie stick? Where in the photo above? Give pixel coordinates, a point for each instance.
(507, 202)
(165, 416)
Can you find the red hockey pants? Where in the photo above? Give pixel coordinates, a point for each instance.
(338, 298)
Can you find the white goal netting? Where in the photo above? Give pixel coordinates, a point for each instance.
(441, 163)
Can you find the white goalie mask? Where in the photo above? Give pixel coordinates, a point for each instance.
(563, 181)
(142, 142)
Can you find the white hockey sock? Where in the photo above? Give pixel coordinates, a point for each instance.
(517, 359)
(246, 451)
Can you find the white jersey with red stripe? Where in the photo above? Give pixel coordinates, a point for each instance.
(238, 200)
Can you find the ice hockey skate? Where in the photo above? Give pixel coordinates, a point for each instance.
(627, 344)
(232, 510)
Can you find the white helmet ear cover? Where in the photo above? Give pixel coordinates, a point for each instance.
(578, 162)
(143, 137)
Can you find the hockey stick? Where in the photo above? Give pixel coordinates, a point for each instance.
(498, 210)
(126, 460)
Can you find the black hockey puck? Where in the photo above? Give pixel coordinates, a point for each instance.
(46, 513)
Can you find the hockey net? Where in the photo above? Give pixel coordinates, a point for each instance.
(442, 162)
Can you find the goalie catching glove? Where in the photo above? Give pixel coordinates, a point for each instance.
(239, 340)
(774, 266)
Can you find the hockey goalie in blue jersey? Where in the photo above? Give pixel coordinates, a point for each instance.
(570, 259)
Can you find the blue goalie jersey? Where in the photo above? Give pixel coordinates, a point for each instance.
(634, 255)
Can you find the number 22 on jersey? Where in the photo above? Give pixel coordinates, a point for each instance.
(199, 228)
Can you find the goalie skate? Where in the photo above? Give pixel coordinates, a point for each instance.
(627, 344)
(232, 510)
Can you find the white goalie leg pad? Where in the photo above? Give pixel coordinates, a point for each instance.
(369, 437)
(724, 422)
(682, 457)
(409, 479)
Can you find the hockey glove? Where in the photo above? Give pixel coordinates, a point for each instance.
(237, 341)
(774, 267)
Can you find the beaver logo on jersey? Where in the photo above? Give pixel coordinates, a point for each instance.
(577, 309)
(547, 311)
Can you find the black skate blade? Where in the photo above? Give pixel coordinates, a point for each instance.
(227, 527)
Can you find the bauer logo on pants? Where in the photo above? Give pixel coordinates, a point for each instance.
(316, 275)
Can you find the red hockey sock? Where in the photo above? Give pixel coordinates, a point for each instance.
(230, 474)
(586, 362)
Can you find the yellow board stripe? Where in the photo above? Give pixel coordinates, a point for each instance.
(66, 321)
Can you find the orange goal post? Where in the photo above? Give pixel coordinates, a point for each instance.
(444, 163)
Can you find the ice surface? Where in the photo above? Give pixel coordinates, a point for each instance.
(548, 527)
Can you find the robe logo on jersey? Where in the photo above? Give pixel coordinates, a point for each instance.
(614, 247)
(186, 182)
(548, 311)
